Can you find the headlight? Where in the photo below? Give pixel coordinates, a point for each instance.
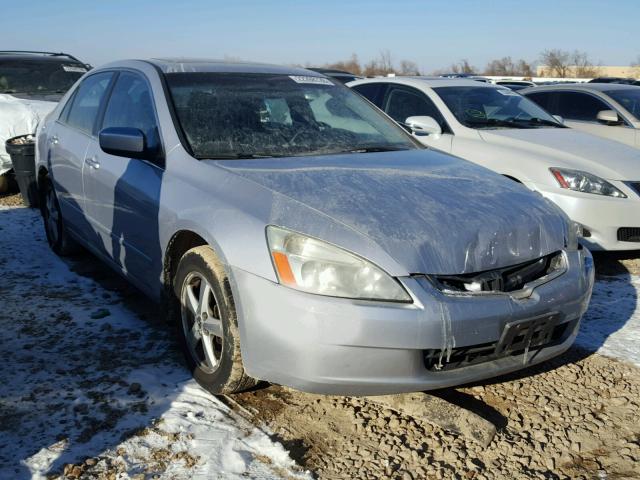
(314, 266)
(585, 182)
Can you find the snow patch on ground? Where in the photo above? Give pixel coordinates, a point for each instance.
(611, 326)
(85, 377)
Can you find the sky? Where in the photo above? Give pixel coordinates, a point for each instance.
(434, 34)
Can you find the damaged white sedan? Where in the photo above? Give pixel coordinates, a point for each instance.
(302, 237)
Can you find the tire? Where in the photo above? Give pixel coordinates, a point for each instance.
(207, 323)
(57, 236)
(4, 184)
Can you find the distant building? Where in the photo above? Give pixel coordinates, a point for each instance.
(603, 71)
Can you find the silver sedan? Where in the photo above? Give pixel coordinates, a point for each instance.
(298, 235)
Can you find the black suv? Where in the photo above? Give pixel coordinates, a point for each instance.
(41, 75)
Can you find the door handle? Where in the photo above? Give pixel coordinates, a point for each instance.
(92, 162)
(53, 140)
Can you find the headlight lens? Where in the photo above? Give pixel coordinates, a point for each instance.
(314, 266)
(585, 182)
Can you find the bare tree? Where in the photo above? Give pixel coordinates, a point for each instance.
(556, 62)
(407, 67)
(583, 67)
(506, 66)
(352, 65)
(561, 63)
(463, 66)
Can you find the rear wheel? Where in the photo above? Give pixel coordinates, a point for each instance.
(57, 235)
(207, 323)
(4, 184)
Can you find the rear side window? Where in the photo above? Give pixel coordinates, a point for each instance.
(543, 99)
(131, 105)
(579, 106)
(87, 100)
(403, 103)
(374, 92)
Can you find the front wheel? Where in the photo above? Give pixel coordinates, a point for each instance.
(57, 235)
(207, 323)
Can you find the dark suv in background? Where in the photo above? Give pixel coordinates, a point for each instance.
(31, 84)
(26, 74)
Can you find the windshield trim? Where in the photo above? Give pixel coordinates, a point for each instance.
(182, 136)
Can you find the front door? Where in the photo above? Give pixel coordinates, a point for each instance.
(123, 194)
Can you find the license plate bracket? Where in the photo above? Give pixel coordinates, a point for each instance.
(527, 333)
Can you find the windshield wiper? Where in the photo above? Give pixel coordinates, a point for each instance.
(380, 148)
(232, 156)
(538, 121)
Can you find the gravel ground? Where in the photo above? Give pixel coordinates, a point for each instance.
(574, 417)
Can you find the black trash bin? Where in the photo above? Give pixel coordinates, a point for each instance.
(22, 150)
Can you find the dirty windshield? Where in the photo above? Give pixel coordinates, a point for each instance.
(36, 76)
(228, 115)
(484, 107)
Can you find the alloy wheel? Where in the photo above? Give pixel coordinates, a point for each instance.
(52, 216)
(201, 322)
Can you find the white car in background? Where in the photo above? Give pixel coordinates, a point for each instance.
(609, 110)
(595, 181)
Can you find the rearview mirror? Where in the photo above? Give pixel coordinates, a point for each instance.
(126, 142)
(609, 116)
(559, 119)
(423, 125)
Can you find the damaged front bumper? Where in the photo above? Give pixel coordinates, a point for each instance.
(339, 346)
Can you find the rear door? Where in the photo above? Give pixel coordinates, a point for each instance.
(402, 102)
(69, 139)
(123, 194)
(580, 111)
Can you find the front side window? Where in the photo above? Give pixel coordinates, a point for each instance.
(87, 100)
(486, 108)
(131, 106)
(628, 98)
(229, 115)
(374, 92)
(580, 106)
(32, 76)
(403, 103)
(544, 99)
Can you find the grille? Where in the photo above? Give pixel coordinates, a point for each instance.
(436, 359)
(506, 279)
(629, 234)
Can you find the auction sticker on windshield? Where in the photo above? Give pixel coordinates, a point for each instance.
(72, 68)
(309, 79)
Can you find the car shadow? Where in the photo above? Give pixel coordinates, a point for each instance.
(88, 360)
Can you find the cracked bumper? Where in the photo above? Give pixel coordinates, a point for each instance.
(340, 346)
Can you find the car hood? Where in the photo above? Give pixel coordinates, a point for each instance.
(565, 147)
(431, 212)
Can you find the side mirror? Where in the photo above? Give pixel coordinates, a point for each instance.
(609, 117)
(559, 119)
(423, 125)
(126, 142)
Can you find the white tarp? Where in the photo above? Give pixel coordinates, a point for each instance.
(18, 117)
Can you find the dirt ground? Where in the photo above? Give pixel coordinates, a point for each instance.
(574, 417)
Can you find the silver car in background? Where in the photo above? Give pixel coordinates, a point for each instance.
(299, 236)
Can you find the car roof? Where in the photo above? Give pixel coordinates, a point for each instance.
(178, 65)
(431, 82)
(39, 56)
(594, 87)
